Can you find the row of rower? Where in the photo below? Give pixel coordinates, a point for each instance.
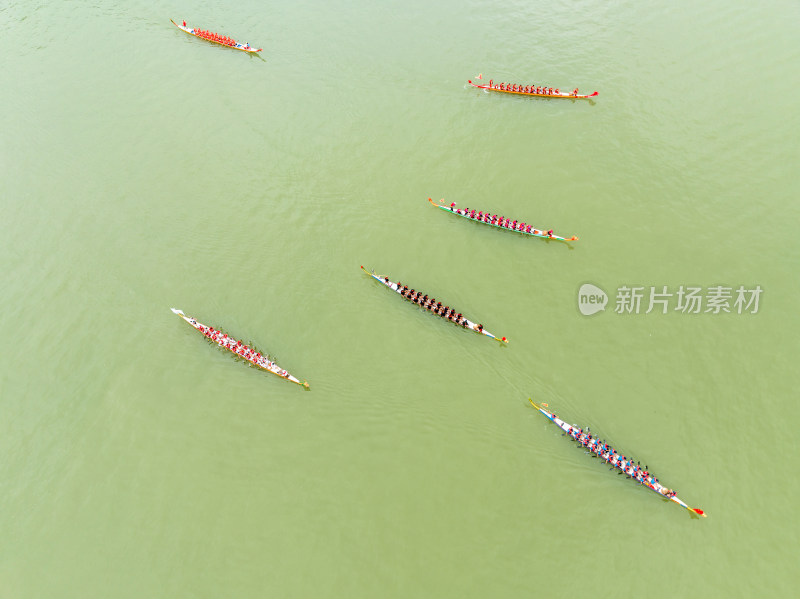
(604, 451)
(430, 303)
(215, 37)
(500, 221)
(240, 349)
(529, 89)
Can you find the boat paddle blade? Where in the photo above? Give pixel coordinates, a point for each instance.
(573, 238)
(593, 94)
(698, 512)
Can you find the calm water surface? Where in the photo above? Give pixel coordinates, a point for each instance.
(144, 169)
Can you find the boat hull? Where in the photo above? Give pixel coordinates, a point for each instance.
(561, 95)
(533, 233)
(571, 431)
(394, 287)
(244, 352)
(193, 32)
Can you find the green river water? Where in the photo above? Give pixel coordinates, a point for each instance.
(144, 169)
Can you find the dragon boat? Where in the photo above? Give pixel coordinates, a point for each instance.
(509, 88)
(609, 455)
(240, 349)
(433, 308)
(233, 44)
(508, 224)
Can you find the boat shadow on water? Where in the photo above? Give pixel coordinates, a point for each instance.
(588, 101)
(560, 242)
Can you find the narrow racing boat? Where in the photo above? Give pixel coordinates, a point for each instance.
(606, 453)
(215, 38)
(531, 90)
(431, 305)
(500, 222)
(239, 348)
